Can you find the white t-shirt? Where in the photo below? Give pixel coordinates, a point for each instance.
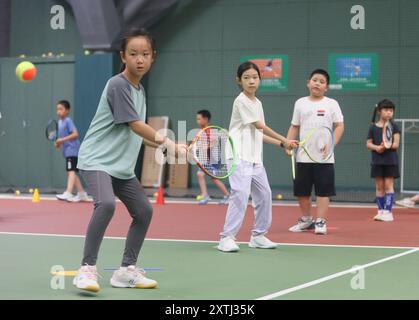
(312, 114)
(247, 139)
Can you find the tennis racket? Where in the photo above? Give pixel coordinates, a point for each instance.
(388, 135)
(318, 145)
(51, 131)
(210, 149)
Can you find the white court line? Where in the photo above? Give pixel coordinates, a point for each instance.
(334, 276)
(207, 241)
(174, 201)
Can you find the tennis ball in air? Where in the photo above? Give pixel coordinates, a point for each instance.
(86, 52)
(155, 194)
(25, 71)
(30, 190)
(17, 192)
(279, 196)
(198, 197)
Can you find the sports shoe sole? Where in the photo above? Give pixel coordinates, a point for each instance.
(311, 227)
(405, 205)
(383, 219)
(231, 250)
(87, 288)
(117, 284)
(262, 247)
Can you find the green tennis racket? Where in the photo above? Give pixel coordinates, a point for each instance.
(211, 149)
(318, 145)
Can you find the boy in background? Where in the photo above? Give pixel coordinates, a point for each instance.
(202, 119)
(69, 143)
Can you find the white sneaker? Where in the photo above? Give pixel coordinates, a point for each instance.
(64, 196)
(385, 216)
(224, 200)
(204, 200)
(320, 227)
(304, 223)
(86, 279)
(81, 196)
(131, 277)
(406, 202)
(377, 217)
(228, 244)
(261, 242)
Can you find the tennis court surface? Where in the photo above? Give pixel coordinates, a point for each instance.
(358, 259)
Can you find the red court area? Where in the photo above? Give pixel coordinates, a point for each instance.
(347, 225)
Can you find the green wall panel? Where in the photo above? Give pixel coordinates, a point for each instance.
(200, 45)
(28, 158)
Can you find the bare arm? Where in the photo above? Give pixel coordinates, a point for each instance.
(338, 132)
(396, 141)
(293, 132)
(292, 135)
(373, 147)
(150, 144)
(148, 133)
(273, 141)
(268, 131)
(71, 136)
(156, 139)
(274, 135)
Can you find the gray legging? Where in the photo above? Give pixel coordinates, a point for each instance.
(103, 189)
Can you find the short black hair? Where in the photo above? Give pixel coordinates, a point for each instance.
(205, 113)
(322, 72)
(65, 104)
(246, 66)
(133, 33)
(386, 103)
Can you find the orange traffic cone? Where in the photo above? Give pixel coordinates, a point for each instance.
(35, 197)
(160, 196)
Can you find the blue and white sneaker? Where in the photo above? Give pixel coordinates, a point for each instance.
(204, 200)
(224, 200)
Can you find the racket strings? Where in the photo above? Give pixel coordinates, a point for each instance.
(210, 151)
(319, 147)
(51, 130)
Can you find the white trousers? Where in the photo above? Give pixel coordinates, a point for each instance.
(248, 179)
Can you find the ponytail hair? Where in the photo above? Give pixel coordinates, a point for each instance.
(374, 114)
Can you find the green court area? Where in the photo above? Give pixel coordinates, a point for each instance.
(196, 270)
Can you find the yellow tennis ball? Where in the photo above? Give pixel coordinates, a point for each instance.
(279, 196)
(198, 197)
(17, 192)
(25, 71)
(30, 190)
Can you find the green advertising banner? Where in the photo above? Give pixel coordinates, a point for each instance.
(273, 69)
(353, 71)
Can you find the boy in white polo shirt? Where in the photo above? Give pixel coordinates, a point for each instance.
(310, 112)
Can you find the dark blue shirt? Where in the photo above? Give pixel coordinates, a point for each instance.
(389, 156)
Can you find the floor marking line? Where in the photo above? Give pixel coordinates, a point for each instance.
(209, 241)
(334, 276)
(174, 201)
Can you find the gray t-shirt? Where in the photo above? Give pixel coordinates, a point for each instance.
(110, 145)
